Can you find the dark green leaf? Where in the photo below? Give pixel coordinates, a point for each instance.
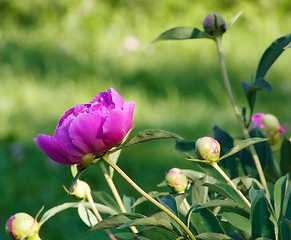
(288, 46)
(226, 143)
(285, 163)
(227, 191)
(271, 54)
(213, 236)
(149, 222)
(262, 226)
(158, 233)
(180, 33)
(115, 221)
(250, 90)
(146, 135)
(106, 199)
(243, 144)
(286, 219)
(280, 192)
(169, 202)
(206, 218)
(237, 220)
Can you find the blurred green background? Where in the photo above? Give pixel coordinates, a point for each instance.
(56, 54)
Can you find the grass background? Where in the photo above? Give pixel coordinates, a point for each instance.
(56, 54)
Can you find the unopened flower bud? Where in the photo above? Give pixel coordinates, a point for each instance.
(176, 180)
(214, 24)
(207, 148)
(80, 190)
(22, 226)
(269, 126)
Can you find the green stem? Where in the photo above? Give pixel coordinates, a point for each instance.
(148, 197)
(115, 192)
(97, 214)
(237, 113)
(215, 165)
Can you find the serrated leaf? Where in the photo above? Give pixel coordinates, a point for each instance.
(261, 224)
(145, 136)
(51, 212)
(86, 215)
(158, 233)
(271, 54)
(243, 144)
(285, 163)
(181, 33)
(226, 143)
(227, 191)
(237, 220)
(213, 236)
(115, 221)
(280, 192)
(232, 21)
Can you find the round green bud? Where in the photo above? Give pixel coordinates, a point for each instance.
(22, 226)
(176, 180)
(271, 123)
(207, 148)
(80, 190)
(214, 24)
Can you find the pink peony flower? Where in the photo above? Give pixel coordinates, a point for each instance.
(88, 130)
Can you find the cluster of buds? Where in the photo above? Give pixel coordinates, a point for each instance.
(176, 180)
(22, 226)
(268, 125)
(207, 148)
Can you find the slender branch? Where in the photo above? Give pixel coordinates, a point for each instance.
(237, 113)
(148, 197)
(215, 165)
(115, 193)
(97, 214)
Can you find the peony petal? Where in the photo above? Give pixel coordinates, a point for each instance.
(64, 117)
(128, 109)
(115, 98)
(51, 147)
(85, 132)
(114, 128)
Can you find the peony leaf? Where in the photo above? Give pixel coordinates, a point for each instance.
(285, 163)
(232, 21)
(51, 212)
(261, 225)
(237, 220)
(280, 192)
(227, 191)
(213, 236)
(288, 46)
(115, 221)
(271, 54)
(146, 135)
(106, 199)
(243, 144)
(181, 33)
(86, 215)
(157, 233)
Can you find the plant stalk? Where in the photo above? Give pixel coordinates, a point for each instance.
(237, 113)
(222, 173)
(97, 214)
(115, 193)
(148, 197)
